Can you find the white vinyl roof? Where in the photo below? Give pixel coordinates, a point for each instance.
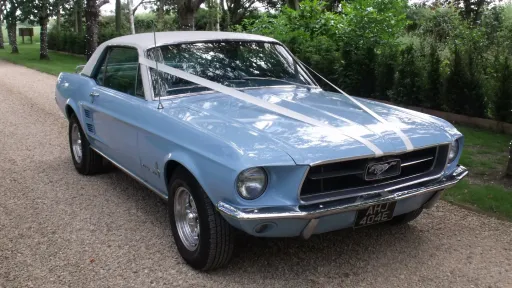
(144, 41)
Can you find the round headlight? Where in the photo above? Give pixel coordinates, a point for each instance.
(454, 151)
(251, 183)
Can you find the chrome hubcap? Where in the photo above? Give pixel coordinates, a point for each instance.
(187, 219)
(76, 143)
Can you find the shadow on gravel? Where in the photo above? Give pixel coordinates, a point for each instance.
(347, 253)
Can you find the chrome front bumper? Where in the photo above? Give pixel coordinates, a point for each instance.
(315, 211)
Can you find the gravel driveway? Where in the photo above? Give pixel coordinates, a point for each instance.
(60, 229)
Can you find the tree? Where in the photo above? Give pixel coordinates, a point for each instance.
(2, 9)
(503, 94)
(92, 15)
(471, 10)
(186, 13)
(11, 19)
(118, 16)
(133, 10)
(433, 83)
(234, 11)
(293, 4)
(407, 84)
(78, 8)
(40, 12)
(386, 72)
(509, 166)
(456, 84)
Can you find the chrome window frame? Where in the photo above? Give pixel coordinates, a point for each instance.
(144, 74)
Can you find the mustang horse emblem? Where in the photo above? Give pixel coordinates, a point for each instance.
(378, 169)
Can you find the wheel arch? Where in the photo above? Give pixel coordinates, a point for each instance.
(70, 109)
(199, 170)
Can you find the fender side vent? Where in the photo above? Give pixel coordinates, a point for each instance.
(90, 127)
(87, 114)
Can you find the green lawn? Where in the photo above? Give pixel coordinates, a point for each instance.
(485, 155)
(486, 197)
(29, 57)
(35, 38)
(485, 152)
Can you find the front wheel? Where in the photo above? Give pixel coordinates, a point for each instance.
(203, 238)
(85, 159)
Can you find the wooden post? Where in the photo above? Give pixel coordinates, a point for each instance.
(23, 38)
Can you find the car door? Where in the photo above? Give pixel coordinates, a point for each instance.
(111, 115)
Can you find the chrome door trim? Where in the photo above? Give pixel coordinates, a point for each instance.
(153, 189)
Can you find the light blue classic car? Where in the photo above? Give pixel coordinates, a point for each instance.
(235, 133)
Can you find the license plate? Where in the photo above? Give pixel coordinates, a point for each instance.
(375, 214)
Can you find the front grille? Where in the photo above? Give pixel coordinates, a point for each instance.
(353, 177)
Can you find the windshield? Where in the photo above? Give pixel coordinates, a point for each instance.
(236, 64)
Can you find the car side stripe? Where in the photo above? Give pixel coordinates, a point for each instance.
(253, 100)
(405, 139)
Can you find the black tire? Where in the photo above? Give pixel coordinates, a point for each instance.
(91, 162)
(216, 236)
(407, 217)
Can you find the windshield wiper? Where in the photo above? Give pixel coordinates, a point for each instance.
(277, 79)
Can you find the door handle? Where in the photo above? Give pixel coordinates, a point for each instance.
(94, 95)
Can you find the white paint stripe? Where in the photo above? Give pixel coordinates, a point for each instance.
(253, 100)
(401, 134)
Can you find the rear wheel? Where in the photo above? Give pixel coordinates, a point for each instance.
(203, 238)
(86, 160)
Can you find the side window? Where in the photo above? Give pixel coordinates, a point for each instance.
(121, 71)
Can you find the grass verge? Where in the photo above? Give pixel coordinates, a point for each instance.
(486, 197)
(485, 154)
(29, 57)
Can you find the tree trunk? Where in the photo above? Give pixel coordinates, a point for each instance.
(217, 13)
(160, 15)
(225, 19)
(91, 27)
(75, 15)
(79, 17)
(1, 31)
(132, 16)
(293, 4)
(209, 6)
(11, 32)
(508, 173)
(118, 16)
(58, 20)
(43, 35)
(186, 18)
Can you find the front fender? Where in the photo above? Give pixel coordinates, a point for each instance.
(215, 178)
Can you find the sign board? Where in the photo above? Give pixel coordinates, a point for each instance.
(26, 32)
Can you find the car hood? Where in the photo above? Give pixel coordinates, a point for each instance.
(251, 128)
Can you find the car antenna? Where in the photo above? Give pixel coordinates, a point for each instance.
(160, 106)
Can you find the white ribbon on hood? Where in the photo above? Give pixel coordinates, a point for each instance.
(261, 103)
(397, 130)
